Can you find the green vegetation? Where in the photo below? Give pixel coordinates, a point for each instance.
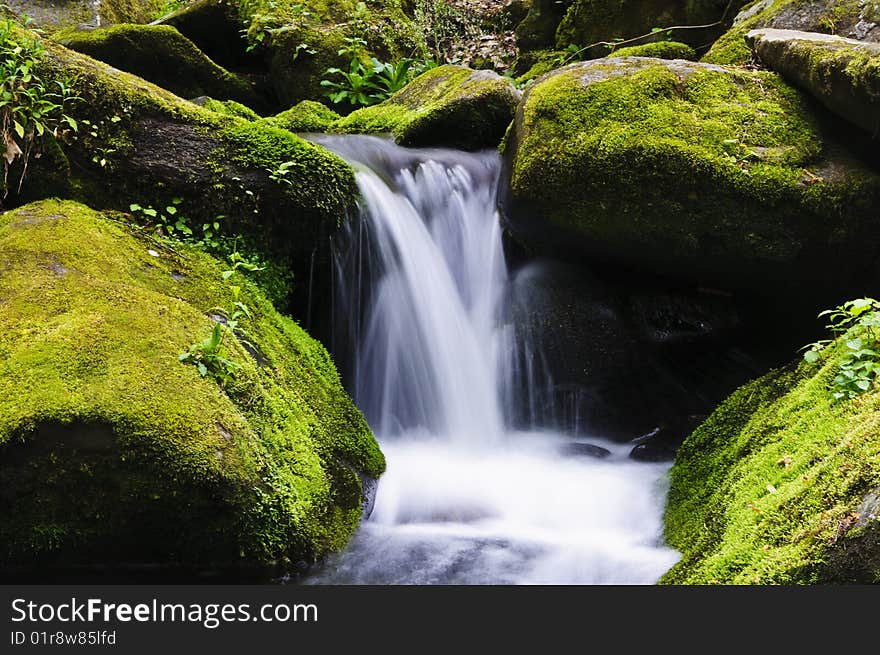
(658, 49)
(116, 451)
(856, 323)
(306, 116)
(33, 107)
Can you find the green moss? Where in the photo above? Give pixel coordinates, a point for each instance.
(766, 490)
(160, 54)
(659, 50)
(448, 105)
(306, 116)
(838, 17)
(231, 108)
(683, 167)
(112, 449)
(544, 61)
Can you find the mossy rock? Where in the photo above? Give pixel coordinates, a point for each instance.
(658, 50)
(857, 19)
(55, 15)
(305, 116)
(452, 106)
(162, 55)
(780, 485)
(227, 108)
(112, 450)
(695, 171)
(155, 146)
(593, 21)
(843, 74)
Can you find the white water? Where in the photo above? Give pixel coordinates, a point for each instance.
(466, 499)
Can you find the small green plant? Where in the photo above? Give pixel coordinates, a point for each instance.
(31, 107)
(279, 174)
(170, 222)
(363, 85)
(857, 324)
(210, 356)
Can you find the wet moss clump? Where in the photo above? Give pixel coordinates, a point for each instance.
(780, 485)
(306, 116)
(113, 450)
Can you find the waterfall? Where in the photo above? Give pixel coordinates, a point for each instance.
(429, 354)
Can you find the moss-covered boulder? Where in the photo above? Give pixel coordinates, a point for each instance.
(449, 105)
(144, 145)
(780, 485)
(844, 74)
(111, 449)
(855, 19)
(162, 55)
(53, 15)
(227, 108)
(690, 170)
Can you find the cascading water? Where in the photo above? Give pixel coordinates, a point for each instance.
(422, 292)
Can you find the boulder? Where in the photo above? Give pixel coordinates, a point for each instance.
(843, 74)
(537, 29)
(715, 175)
(215, 26)
(112, 450)
(855, 20)
(657, 50)
(54, 15)
(145, 145)
(162, 55)
(452, 106)
(776, 486)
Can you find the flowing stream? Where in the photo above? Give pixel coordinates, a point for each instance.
(422, 302)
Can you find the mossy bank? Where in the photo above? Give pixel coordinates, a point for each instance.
(111, 449)
(781, 485)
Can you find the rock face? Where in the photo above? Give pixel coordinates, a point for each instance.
(689, 170)
(852, 19)
(620, 358)
(449, 105)
(776, 486)
(156, 147)
(113, 450)
(843, 74)
(162, 55)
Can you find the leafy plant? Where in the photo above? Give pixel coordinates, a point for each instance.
(210, 356)
(857, 324)
(30, 107)
(170, 222)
